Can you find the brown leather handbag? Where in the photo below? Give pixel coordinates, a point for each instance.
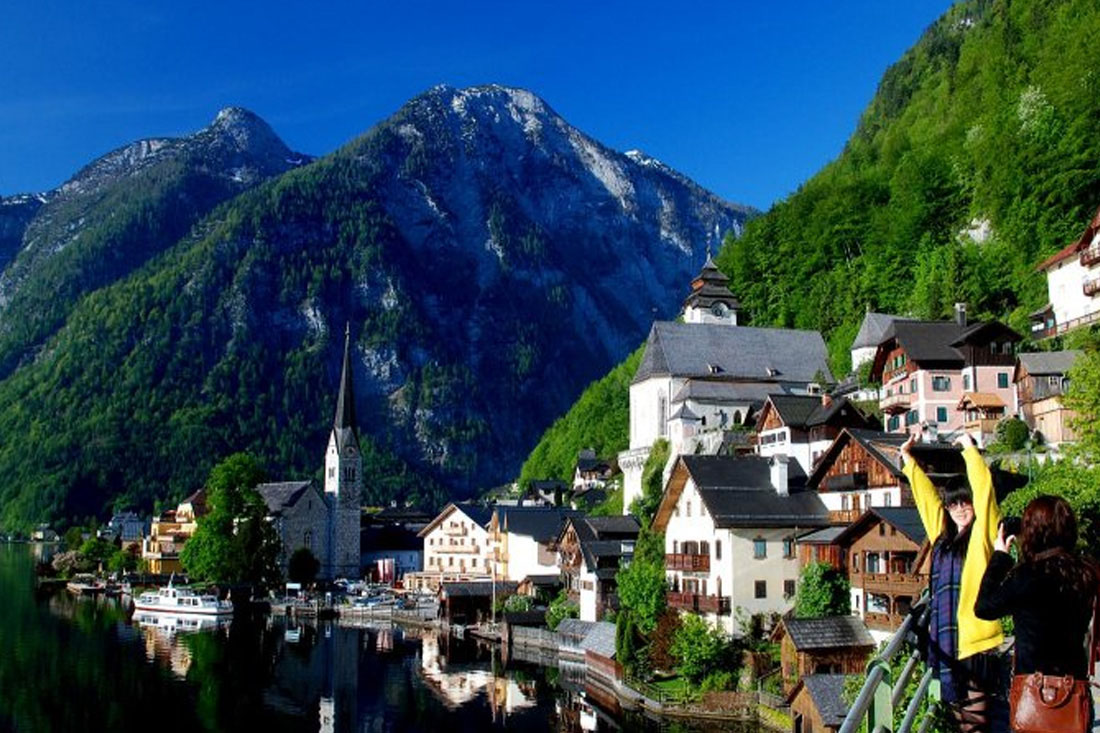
(1040, 703)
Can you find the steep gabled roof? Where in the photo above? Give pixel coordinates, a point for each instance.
(1048, 363)
(282, 495)
(738, 492)
(602, 536)
(480, 515)
(542, 524)
(734, 353)
(881, 447)
(905, 519)
(873, 329)
(829, 632)
(827, 693)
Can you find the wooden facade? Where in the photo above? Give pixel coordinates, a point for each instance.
(796, 664)
(805, 717)
(856, 468)
(889, 568)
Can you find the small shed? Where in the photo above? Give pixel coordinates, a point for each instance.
(471, 602)
(817, 703)
(828, 645)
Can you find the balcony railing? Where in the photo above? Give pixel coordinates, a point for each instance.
(843, 516)
(459, 531)
(912, 583)
(1090, 256)
(895, 403)
(1091, 287)
(689, 563)
(696, 602)
(1060, 328)
(847, 481)
(458, 549)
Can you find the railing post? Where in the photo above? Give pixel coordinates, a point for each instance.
(880, 716)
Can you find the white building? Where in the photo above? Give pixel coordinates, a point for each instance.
(804, 426)
(457, 547)
(1073, 285)
(525, 538)
(730, 525)
(701, 379)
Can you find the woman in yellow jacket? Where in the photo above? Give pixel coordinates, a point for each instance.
(961, 520)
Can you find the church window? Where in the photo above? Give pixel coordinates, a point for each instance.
(662, 415)
(308, 540)
(331, 472)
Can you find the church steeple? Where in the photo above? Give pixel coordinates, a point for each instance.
(345, 402)
(710, 300)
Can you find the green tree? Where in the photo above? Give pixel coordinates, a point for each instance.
(645, 506)
(303, 566)
(560, 609)
(1083, 397)
(123, 560)
(698, 647)
(74, 538)
(1012, 434)
(518, 603)
(642, 585)
(97, 551)
(234, 542)
(822, 591)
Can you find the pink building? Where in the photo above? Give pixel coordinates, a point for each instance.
(946, 375)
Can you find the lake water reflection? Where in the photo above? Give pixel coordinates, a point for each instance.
(80, 664)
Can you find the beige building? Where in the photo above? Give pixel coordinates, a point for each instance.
(1041, 382)
(457, 548)
(170, 532)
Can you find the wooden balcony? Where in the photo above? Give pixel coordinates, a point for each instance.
(984, 425)
(856, 481)
(895, 403)
(1091, 287)
(843, 516)
(883, 621)
(700, 603)
(687, 563)
(459, 531)
(1090, 256)
(910, 584)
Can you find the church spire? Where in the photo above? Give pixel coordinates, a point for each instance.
(345, 403)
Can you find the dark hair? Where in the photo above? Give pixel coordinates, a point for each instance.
(953, 489)
(1049, 526)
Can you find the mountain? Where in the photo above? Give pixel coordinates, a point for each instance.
(490, 259)
(117, 213)
(978, 156)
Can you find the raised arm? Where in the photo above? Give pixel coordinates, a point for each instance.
(929, 505)
(987, 514)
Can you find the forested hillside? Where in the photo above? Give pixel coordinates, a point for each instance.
(489, 258)
(978, 156)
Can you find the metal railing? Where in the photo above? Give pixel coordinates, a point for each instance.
(881, 695)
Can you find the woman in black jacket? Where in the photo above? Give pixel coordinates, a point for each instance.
(1049, 593)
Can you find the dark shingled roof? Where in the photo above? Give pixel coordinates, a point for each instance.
(827, 693)
(824, 536)
(738, 492)
(540, 523)
(600, 639)
(282, 495)
(740, 353)
(604, 536)
(873, 330)
(830, 632)
(711, 286)
(478, 588)
(905, 518)
(805, 411)
(1048, 362)
(934, 342)
(725, 392)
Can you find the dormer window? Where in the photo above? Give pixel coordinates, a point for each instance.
(773, 372)
(714, 369)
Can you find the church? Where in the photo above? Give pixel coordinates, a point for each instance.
(325, 522)
(701, 380)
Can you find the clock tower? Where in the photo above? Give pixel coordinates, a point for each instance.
(711, 300)
(344, 479)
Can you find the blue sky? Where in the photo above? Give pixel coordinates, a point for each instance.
(749, 99)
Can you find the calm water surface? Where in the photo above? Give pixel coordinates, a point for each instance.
(70, 664)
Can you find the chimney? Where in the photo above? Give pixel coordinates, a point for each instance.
(960, 314)
(778, 465)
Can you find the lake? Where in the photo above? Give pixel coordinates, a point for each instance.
(77, 664)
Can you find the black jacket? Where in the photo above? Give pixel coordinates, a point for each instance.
(1051, 620)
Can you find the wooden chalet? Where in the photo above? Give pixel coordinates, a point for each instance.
(590, 552)
(817, 703)
(803, 426)
(829, 645)
(1041, 381)
(861, 469)
(888, 558)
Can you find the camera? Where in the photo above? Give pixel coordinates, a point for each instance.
(1012, 526)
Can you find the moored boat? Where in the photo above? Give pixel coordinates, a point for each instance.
(84, 584)
(182, 600)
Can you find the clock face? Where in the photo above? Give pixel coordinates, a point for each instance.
(719, 309)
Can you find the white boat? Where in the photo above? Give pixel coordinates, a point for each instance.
(182, 600)
(176, 623)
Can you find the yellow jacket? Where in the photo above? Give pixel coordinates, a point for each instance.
(975, 634)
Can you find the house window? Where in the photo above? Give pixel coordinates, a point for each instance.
(941, 384)
(687, 509)
(941, 414)
(788, 548)
(718, 549)
(1052, 381)
(894, 423)
(675, 547)
(887, 500)
(881, 529)
(912, 417)
(759, 549)
(844, 503)
(761, 589)
(704, 548)
(966, 383)
(1002, 380)
(788, 589)
(912, 386)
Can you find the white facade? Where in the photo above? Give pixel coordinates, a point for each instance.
(525, 556)
(778, 442)
(458, 545)
(735, 564)
(717, 313)
(1065, 287)
(588, 594)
